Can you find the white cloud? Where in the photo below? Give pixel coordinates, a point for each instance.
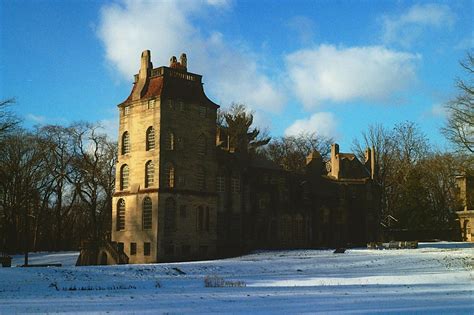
(328, 73)
(465, 44)
(409, 26)
(109, 127)
(220, 3)
(438, 110)
(322, 123)
(37, 119)
(231, 72)
(303, 27)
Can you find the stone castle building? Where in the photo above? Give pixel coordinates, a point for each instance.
(183, 192)
(465, 186)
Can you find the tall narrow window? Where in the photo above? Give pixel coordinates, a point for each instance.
(200, 178)
(151, 104)
(201, 145)
(182, 211)
(220, 183)
(124, 177)
(206, 220)
(150, 138)
(200, 218)
(235, 184)
(147, 213)
(121, 215)
(170, 215)
(169, 175)
(125, 143)
(170, 143)
(149, 173)
(170, 104)
(202, 111)
(146, 249)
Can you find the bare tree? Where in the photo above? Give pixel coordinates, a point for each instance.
(460, 125)
(95, 159)
(23, 182)
(59, 141)
(291, 152)
(381, 140)
(8, 121)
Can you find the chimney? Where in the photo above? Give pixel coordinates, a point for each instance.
(334, 150)
(372, 163)
(335, 160)
(183, 60)
(143, 75)
(173, 61)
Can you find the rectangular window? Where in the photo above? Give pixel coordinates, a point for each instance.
(185, 250)
(120, 247)
(181, 106)
(169, 250)
(151, 104)
(203, 250)
(235, 184)
(146, 249)
(202, 111)
(206, 220)
(171, 104)
(133, 248)
(182, 211)
(126, 110)
(220, 184)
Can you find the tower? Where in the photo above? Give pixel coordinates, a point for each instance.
(164, 207)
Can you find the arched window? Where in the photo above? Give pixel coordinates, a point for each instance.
(169, 175)
(170, 215)
(121, 215)
(150, 138)
(147, 213)
(170, 143)
(149, 173)
(200, 178)
(124, 177)
(125, 143)
(201, 145)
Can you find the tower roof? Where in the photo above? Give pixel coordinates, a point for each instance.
(173, 82)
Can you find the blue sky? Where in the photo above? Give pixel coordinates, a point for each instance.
(330, 67)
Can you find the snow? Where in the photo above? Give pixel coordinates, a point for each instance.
(435, 278)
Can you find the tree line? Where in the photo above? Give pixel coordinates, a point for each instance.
(57, 182)
(56, 185)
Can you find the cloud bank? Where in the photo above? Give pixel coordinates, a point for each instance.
(322, 124)
(329, 73)
(231, 72)
(407, 27)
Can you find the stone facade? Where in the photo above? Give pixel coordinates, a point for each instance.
(184, 193)
(465, 186)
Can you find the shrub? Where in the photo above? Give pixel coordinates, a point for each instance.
(219, 282)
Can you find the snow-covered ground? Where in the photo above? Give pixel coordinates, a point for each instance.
(436, 278)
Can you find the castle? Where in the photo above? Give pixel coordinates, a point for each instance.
(183, 192)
